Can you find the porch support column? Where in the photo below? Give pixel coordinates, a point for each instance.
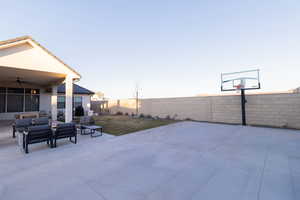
(54, 103)
(69, 99)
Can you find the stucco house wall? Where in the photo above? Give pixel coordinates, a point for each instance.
(86, 102)
(45, 105)
(45, 102)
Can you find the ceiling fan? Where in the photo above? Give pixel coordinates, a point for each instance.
(20, 82)
(17, 80)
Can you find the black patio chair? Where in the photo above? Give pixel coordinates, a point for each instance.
(43, 113)
(21, 125)
(40, 121)
(37, 134)
(66, 130)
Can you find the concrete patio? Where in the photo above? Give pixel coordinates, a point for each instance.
(186, 160)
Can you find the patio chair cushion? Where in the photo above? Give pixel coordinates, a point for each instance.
(41, 121)
(21, 123)
(65, 130)
(39, 132)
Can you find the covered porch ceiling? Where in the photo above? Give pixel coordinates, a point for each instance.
(15, 77)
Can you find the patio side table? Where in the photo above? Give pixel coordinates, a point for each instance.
(92, 129)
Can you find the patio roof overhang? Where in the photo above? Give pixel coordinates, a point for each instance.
(14, 77)
(24, 62)
(26, 53)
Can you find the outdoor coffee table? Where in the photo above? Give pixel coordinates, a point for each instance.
(93, 130)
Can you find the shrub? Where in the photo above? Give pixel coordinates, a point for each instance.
(168, 117)
(119, 113)
(79, 111)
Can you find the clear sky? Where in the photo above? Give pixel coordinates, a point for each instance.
(170, 47)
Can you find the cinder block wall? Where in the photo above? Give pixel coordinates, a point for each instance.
(278, 110)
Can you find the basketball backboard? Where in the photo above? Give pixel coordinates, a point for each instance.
(246, 80)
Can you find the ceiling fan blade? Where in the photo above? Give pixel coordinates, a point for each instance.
(28, 82)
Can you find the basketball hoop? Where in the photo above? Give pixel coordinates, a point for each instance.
(246, 80)
(238, 87)
(240, 82)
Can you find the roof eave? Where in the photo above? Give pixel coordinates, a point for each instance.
(24, 38)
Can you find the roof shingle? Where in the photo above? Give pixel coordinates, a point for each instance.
(76, 89)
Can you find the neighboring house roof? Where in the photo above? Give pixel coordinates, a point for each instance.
(23, 38)
(76, 89)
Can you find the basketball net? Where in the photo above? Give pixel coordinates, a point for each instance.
(238, 88)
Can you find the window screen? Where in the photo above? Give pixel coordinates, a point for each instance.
(61, 102)
(2, 90)
(12, 99)
(2, 102)
(15, 90)
(32, 102)
(77, 101)
(15, 103)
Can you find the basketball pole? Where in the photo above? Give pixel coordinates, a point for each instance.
(243, 106)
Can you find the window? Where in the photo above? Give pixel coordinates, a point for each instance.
(15, 90)
(2, 103)
(32, 100)
(2, 99)
(15, 102)
(19, 99)
(77, 101)
(61, 102)
(2, 90)
(32, 103)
